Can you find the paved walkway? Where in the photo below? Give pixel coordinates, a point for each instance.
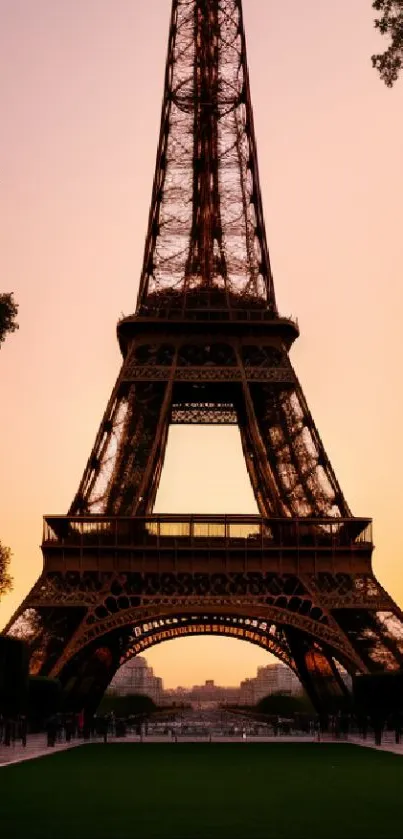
(36, 747)
(37, 744)
(388, 743)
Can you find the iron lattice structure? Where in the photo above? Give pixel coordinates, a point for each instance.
(207, 345)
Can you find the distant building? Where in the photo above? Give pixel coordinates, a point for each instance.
(207, 695)
(137, 677)
(176, 696)
(210, 693)
(247, 693)
(274, 678)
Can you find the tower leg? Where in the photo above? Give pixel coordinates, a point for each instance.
(318, 673)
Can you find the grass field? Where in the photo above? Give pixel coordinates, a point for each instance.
(222, 791)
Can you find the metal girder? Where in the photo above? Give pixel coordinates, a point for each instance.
(206, 227)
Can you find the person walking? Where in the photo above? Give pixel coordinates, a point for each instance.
(51, 730)
(23, 728)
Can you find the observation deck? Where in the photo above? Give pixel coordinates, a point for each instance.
(206, 311)
(207, 543)
(249, 323)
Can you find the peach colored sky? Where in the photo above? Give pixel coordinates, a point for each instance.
(80, 93)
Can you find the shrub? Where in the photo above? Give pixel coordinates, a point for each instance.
(13, 676)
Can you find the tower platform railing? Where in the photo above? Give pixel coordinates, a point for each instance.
(215, 531)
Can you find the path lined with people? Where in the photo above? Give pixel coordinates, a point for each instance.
(37, 744)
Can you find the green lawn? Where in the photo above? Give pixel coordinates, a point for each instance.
(223, 791)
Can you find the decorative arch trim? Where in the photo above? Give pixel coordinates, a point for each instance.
(270, 614)
(256, 632)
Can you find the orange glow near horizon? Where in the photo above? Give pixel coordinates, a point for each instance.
(81, 86)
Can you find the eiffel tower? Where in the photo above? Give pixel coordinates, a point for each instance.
(207, 345)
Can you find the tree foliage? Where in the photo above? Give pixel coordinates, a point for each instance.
(378, 695)
(44, 699)
(5, 578)
(8, 314)
(14, 658)
(126, 706)
(284, 705)
(390, 23)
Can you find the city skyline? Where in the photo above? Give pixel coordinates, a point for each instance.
(137, 676)
(72, 176)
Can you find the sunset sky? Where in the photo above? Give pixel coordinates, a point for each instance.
(80, 90)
